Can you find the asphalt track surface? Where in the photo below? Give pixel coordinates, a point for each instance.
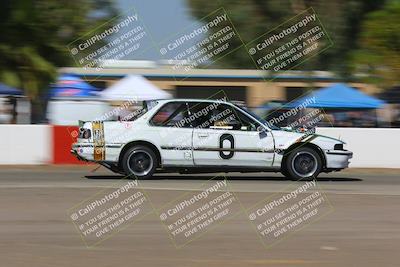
(362, 229)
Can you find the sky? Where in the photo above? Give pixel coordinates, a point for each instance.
(163, 19)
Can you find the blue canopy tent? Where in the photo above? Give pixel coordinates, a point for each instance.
(348, 107)
(337, 96)
(7, 90)
(69, 85)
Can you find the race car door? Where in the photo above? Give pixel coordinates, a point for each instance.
(173, 133)
(228, 137)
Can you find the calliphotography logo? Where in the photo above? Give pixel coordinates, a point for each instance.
(106, 33)
(123, 37)
(193, 214)
(200, 44)
(203, 112)
(297, 116)
(290, 44)
(196, 32)
(109, 211)
(276, 218)
(292, 112)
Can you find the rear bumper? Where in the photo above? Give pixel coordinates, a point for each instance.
(338, 159)
(82, 151)
(75, 153)
(109, 165)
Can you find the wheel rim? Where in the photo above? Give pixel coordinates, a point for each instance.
(140, 162)
(304, 164)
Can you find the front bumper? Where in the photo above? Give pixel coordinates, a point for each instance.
(338, 159)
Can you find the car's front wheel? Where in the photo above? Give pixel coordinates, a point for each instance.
(139, 162)
(302, 163)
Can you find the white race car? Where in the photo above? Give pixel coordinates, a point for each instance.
(205, 136)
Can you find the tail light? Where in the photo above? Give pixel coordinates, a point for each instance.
(84, 133)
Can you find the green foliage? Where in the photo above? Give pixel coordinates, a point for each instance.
(341, 19)
(35, 35)
(379, 55)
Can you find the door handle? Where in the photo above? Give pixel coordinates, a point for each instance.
(203, 135)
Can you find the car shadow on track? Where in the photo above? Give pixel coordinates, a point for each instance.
(229, 177)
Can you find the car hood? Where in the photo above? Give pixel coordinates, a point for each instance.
(285, 138)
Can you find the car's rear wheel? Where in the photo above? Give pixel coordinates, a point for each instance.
(303, 163)
(139, 162)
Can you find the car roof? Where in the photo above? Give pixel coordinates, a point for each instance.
(189, 100)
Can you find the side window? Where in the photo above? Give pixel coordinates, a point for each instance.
(247, 124)
(211, 115)
(172, 114)
(225, 117)
(199, 114)
(231, 118)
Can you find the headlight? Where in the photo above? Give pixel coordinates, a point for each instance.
(338, 147)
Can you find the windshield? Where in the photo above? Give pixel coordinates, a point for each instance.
(263, 121)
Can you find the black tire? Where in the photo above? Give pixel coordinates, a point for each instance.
(139, 162)
(303, 163)
(285, 172)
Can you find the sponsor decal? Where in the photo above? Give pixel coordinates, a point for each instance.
(99, 151)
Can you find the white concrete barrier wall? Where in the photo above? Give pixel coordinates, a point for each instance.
(372, 148)
(25, 144)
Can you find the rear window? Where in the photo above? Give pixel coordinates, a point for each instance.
(171, 115)
(136, 111)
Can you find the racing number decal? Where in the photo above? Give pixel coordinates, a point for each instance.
(222, 153)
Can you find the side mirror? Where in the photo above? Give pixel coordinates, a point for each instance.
(262, 132)
(235, 124)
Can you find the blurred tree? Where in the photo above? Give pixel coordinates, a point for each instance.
(35, 35)
(341, 19)
(378, 59)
